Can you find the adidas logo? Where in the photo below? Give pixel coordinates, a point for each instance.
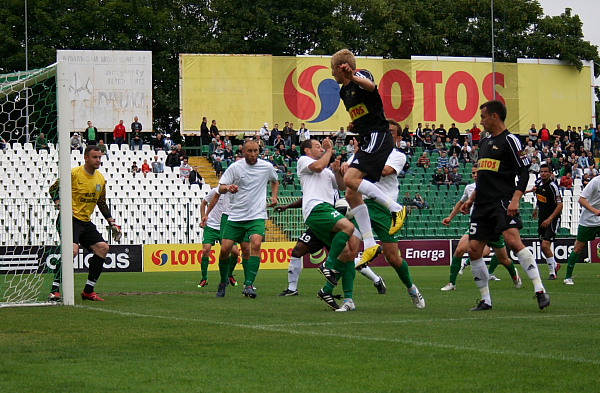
(476, 279)
(512, 222)
(531, 267)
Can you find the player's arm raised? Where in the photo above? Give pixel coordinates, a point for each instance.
(319, 165)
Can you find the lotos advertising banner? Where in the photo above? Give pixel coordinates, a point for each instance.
(188, 257)
(242, 92)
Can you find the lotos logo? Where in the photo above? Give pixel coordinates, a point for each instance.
(301, 100)
(159, 259)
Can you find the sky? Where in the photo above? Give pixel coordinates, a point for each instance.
(587, 11)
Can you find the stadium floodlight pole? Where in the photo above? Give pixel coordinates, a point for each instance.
(26, 88)
(64, 173)
(493, 57)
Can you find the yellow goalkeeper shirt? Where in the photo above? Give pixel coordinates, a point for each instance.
(88, 191)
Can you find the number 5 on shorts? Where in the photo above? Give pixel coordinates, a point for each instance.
(473, 228)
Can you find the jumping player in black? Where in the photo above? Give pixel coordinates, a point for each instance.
(496, 202)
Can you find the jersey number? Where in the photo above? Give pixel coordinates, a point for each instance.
(305, 238)
(335, 214)
(473, 228)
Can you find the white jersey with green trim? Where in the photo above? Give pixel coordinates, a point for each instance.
(220, 208)
(317, 188)
(250, 202)
(591, 192)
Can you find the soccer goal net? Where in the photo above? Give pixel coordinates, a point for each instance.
(29, 241)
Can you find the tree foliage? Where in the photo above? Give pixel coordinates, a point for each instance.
(388, 28)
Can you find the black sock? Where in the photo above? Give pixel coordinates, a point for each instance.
(96, 265)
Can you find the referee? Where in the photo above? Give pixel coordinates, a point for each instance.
(496, 202)
(88, 190)
(548, 209)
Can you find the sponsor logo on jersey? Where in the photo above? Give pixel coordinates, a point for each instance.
(541, 198)
(358, 111)
(489, 164)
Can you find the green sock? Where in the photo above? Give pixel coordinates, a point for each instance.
(454, 269)
(223, 267)
(232, 264)
(337, 244)
(493, 264)
(573, 258)
(404, 274)
(512, 270)
(348, 280)
(204, 267)
(245, 267)
(252, 270)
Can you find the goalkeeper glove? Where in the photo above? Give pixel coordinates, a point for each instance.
(115, 230)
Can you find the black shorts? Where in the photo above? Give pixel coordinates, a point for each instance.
(312, 241)
(86, 234)
(375, 147)
(548, 233)
(489, 220)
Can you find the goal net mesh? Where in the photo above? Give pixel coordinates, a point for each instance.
(29, 241)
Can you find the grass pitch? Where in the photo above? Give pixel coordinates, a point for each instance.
(157, 332)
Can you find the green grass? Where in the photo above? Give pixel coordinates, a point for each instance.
(186, 340)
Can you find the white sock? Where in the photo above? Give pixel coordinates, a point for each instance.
(367, 272)
(551, 265)
(294, 271)
(528, 264)
(370, 190)
(481, 276)
(361, 214)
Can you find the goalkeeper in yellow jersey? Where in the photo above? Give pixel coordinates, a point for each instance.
(88, 190)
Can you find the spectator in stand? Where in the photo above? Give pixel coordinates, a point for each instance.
(119, 133)
(218, 167)
(288, 179)
(442, 160)
(448, 177)
(279, 160)
(407, 149)
(157, 166)
(535, 167)
(274, 134)
(533, 135)
(340, 138)
(566, 183)
(278, 142)
(576, 172)
(474, 154)
(408, 201)
(195, 177)
(441, 133)
(41, 143)
(544, 136)
(586, 179)
(454, 148)
(596, 140)
(428, 145)
(591, 170)
(214, 131)
(286, 135)
(588, 135)
(146, 168)
(453, 161)
(439, 146)
(180, 152)
(419, 136)
(303, 133)
(159, 143)
(575, 136)
(172, 160)
(264, 134)
(475, 134)
(529, 149)
(168, 142)
(76, 143)
(420, 202)
(136, 134)
(406, 135)
(456, 178)
(424, 162)
(227, 142)
(204, 132)
(91, 134)
(134, 168)
(291, 155)
(465, 154)
(184, 170)
(350, 147)
(103, 148)
(453, 133)
(427, 131)
(438, 177)
(558, 134)
(228, 155)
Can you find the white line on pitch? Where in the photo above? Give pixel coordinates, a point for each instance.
(321, 333)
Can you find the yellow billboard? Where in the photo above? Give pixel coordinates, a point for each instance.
(187, 257)
(242, 92)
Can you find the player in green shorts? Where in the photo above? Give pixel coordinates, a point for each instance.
(589, 224)
(213, 212)
(500, 253)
